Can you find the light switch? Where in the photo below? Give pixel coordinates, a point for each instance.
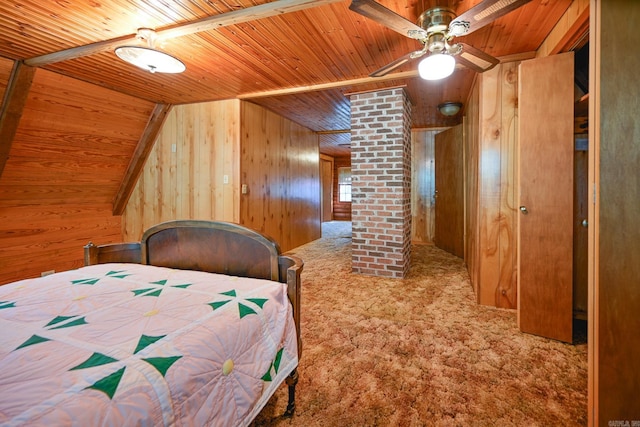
(225, 179)
(245, 189)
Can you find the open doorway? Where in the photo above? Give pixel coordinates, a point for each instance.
(581, 197)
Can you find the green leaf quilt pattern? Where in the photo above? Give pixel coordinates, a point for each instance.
(128, 344)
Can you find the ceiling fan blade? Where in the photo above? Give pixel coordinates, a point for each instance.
(482, 14)
(476, 59)
(398, 62)
(377, 12)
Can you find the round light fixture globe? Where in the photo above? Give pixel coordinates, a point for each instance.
(436, 66)
(449, 109)
(150, 59)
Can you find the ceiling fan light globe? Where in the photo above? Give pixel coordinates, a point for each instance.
(436, 66)
(149, 59)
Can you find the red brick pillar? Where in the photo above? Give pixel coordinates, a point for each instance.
(381, 183)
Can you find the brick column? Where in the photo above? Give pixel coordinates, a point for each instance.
(381, 183)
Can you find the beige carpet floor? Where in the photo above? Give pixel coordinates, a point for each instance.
(419, 351)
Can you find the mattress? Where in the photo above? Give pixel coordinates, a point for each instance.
(129, 344)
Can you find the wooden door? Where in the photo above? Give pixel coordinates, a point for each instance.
(449, 191)
(326, 189)
(545, 223)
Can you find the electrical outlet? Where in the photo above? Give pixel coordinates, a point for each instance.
(225, 179)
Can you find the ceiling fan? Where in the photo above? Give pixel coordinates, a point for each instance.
(436, 29)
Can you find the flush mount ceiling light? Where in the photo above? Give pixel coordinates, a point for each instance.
(147, 57)
(436, 66)
(449, 108)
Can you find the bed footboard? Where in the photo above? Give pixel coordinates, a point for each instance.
(114, 252)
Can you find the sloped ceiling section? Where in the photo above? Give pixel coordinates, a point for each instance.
(73, 144)
(68, 159)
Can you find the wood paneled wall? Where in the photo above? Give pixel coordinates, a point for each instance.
(193, 170)
(280, 166)
(42, 237)
(71, 149)
(341, 210)
(206, 152)
(491, 199)
(423, 184)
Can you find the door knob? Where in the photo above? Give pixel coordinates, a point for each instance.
(524, 210)
(585, 223)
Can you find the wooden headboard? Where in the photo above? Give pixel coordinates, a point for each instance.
(215, 247)
(211, 246)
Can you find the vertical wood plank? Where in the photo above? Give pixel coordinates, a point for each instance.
(169, 181)
(191, 164)
(505, 294)
(472, 160)
(423, 185)
(231, 194)
(593, 248)
(491, 220)
(614, 221)
(183, 149)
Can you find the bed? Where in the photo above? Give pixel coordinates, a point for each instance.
(196, 324)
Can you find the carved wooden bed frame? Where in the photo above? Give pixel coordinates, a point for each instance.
(215, 247)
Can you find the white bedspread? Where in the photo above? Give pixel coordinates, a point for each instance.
(128, 344)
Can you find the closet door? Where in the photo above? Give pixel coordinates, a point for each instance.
(326, 189)
(545, 222)
(449, 192)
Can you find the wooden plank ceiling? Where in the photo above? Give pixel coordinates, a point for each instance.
(301, 64)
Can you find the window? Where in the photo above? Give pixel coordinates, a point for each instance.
(344, 184)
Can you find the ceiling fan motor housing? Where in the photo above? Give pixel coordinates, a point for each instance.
(436, 43)
(436, 20)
